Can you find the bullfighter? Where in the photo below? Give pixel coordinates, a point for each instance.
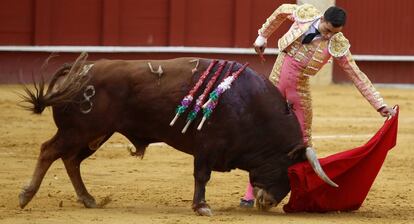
(312, 40)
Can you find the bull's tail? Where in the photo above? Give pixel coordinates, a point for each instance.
(72, 83)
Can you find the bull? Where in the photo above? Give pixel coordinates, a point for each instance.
(252, 128)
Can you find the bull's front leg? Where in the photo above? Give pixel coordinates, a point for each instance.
(202, 175)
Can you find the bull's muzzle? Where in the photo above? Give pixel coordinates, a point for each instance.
(264, 200)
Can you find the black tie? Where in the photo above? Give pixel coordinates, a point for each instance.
(309, 37)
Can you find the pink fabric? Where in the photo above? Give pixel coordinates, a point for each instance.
(289, 74)
(249, 193)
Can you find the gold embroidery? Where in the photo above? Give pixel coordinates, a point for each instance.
(306, 13)
(301, 53)
(277, 17)
(277, 67)
(361, 81)
(293, 48)
(313, 68)
(338, 45)
(318, 59)
(303, 91)
(292, 35)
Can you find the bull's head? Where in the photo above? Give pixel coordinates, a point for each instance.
(266, 199)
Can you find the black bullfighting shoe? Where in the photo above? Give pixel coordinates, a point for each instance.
(246, 203)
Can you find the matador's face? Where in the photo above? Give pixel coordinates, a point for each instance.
(327, 30)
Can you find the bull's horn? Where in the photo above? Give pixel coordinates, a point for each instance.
(316, 166)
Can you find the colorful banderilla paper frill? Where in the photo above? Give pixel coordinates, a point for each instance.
(200, 100)
(214, 96)
(354, 171)
(186, 101)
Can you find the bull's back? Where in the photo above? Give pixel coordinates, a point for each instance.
(137, 100)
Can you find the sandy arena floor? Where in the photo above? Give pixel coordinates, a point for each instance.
(159, 188)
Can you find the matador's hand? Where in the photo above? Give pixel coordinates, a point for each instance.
(386, 111)
(259, 49)
(260, 46)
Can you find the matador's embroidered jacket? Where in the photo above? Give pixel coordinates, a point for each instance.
(314, 55)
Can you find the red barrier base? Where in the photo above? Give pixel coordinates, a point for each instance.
(353, 170)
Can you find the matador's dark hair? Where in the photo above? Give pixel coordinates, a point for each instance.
(336, 16)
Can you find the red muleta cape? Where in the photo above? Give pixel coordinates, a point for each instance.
(353, 170)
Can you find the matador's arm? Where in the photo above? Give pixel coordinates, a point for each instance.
(276, 19)
(339, 49)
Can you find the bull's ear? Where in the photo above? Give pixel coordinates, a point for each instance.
(298, 153)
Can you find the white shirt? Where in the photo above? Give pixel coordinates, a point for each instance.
(312, 29)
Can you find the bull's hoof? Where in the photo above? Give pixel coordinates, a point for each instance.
(204, 211)
(88, 201)
(25, 197)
